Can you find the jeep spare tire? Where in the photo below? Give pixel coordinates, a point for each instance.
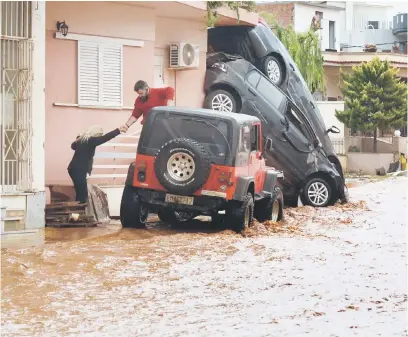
(182, 166)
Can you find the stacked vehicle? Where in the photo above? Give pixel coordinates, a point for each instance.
(250, 71)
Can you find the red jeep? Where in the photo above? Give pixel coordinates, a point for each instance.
(194, 162)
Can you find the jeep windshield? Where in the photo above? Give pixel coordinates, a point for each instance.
(214, 135)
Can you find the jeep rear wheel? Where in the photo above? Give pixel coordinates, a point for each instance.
(270, 209)
(241, 213)
(182, 166)
(133, 214)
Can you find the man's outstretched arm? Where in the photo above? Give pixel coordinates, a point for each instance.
(133, 118)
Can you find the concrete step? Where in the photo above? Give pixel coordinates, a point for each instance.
(12, 224)
(10, 212)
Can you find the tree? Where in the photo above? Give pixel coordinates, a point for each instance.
(304, 49)
(212, 7)
(374, 98)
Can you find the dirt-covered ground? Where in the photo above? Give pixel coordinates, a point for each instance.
(339, 271)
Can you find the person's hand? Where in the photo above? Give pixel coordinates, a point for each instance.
(123, 128)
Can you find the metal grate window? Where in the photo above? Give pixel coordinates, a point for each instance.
(15, 96)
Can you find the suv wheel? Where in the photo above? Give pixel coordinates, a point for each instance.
(240, 214)
(273, 69)
(271, 208)
(317, 193)
(220, 100)
(182, 166)
(173, 217)
(133, 214)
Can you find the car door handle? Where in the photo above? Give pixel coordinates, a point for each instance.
(252, 92)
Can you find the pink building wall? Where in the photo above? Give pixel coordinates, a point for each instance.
(116, 20)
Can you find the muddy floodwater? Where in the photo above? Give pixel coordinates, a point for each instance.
(339, 271)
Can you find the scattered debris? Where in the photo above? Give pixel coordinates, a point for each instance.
(74, 214)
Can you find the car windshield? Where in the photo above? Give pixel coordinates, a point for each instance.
(212, 134)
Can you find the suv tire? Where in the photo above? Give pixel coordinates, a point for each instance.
(273, 69)
(133, 214)
(221, 100)
(241, 213)
(182, 166)
(270, 209)
(317, 193)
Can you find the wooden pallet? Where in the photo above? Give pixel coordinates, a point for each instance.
(73, 214)
(63, 214)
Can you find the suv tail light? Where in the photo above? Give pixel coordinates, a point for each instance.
(141, 171)
(224, 177)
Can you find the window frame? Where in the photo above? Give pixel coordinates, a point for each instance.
(102, 47)
(255, 131)
(267, 97)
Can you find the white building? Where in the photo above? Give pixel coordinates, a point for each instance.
(22, 115)
(346, 27)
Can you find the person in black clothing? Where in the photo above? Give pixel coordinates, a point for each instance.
(81, 163)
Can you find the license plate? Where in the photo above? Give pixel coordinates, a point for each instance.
(178, 199)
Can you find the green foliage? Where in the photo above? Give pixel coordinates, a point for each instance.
(374, 98)
(304, 49)
(212, 7)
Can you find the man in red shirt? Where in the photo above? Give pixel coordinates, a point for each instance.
(148, 98)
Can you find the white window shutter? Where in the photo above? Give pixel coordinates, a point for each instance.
(111, 71)
(89, 78)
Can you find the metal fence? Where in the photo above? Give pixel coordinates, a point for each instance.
(338, 144)
(15, 95)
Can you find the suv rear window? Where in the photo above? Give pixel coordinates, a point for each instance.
(213, 135)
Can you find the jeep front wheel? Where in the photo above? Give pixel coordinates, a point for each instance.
(270, 209)
(133, 214)
(241, 213)
(182, 166)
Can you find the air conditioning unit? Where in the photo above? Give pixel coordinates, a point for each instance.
(184, 55)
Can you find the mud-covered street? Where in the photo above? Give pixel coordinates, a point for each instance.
(339, 271)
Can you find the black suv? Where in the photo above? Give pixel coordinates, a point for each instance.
(260, 46)
(291, 144)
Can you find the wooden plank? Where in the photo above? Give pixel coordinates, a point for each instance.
(72, 224)
(66, 212)
(65, 204)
